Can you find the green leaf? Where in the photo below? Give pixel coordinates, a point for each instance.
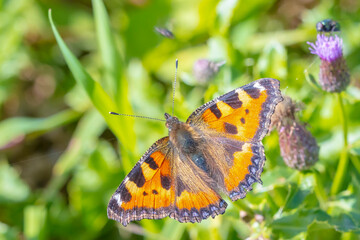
(84, 139)
(225, 12)
(299, 193)
(322, 230)
(12, 188)
(273, 61)
(311, 80)
(91, 186)
(173, 230)
(296, 197)
(8, 233)
(82, 143)
(289, 226)
(346, 222)
(34, 221)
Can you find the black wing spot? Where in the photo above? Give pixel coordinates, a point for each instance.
(229, 128)
(154, 192)
(165, 182)
(232, 99)
(247, 111)
(137, 177)
(242, 120)
(125, 195)
(152, 164)
(215, 110)
(145, 193)
(254, 93)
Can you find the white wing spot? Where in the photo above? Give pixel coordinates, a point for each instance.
(118, 199)
(259, 86)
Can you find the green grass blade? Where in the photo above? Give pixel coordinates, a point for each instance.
(112, 64)
(121, 127)
(110, 57)
(14, 129)
(93, 89)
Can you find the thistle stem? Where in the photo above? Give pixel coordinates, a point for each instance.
(343, 119)
(344, 159)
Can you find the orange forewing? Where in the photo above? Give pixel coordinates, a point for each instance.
(241, 123)
(242, 114)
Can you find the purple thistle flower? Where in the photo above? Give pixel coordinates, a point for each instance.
(327, 48)
(334, 75)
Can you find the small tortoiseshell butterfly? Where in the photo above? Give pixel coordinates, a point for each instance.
(218, 149)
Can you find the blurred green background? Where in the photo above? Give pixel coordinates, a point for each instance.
(62, 155)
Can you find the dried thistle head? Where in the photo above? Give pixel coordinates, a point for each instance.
(298, 147)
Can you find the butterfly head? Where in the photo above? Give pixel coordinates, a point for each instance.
(171, 122)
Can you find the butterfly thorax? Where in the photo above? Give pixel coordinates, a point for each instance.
(186, 140)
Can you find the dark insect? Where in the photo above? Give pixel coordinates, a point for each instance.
(328, 25)
(165, 32)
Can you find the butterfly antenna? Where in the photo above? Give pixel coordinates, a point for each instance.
(136, 116)
(174, 85)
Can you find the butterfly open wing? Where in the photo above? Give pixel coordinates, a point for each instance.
(221, 149)
(242, 114)
(151, 191)
(237, 122)
(147, 191)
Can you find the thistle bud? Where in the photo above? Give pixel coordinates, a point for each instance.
(204, 69)
(298, 147)
(334, 75)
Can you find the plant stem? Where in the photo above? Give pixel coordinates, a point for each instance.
(344, 160)
(344, 119)
(319, 190)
